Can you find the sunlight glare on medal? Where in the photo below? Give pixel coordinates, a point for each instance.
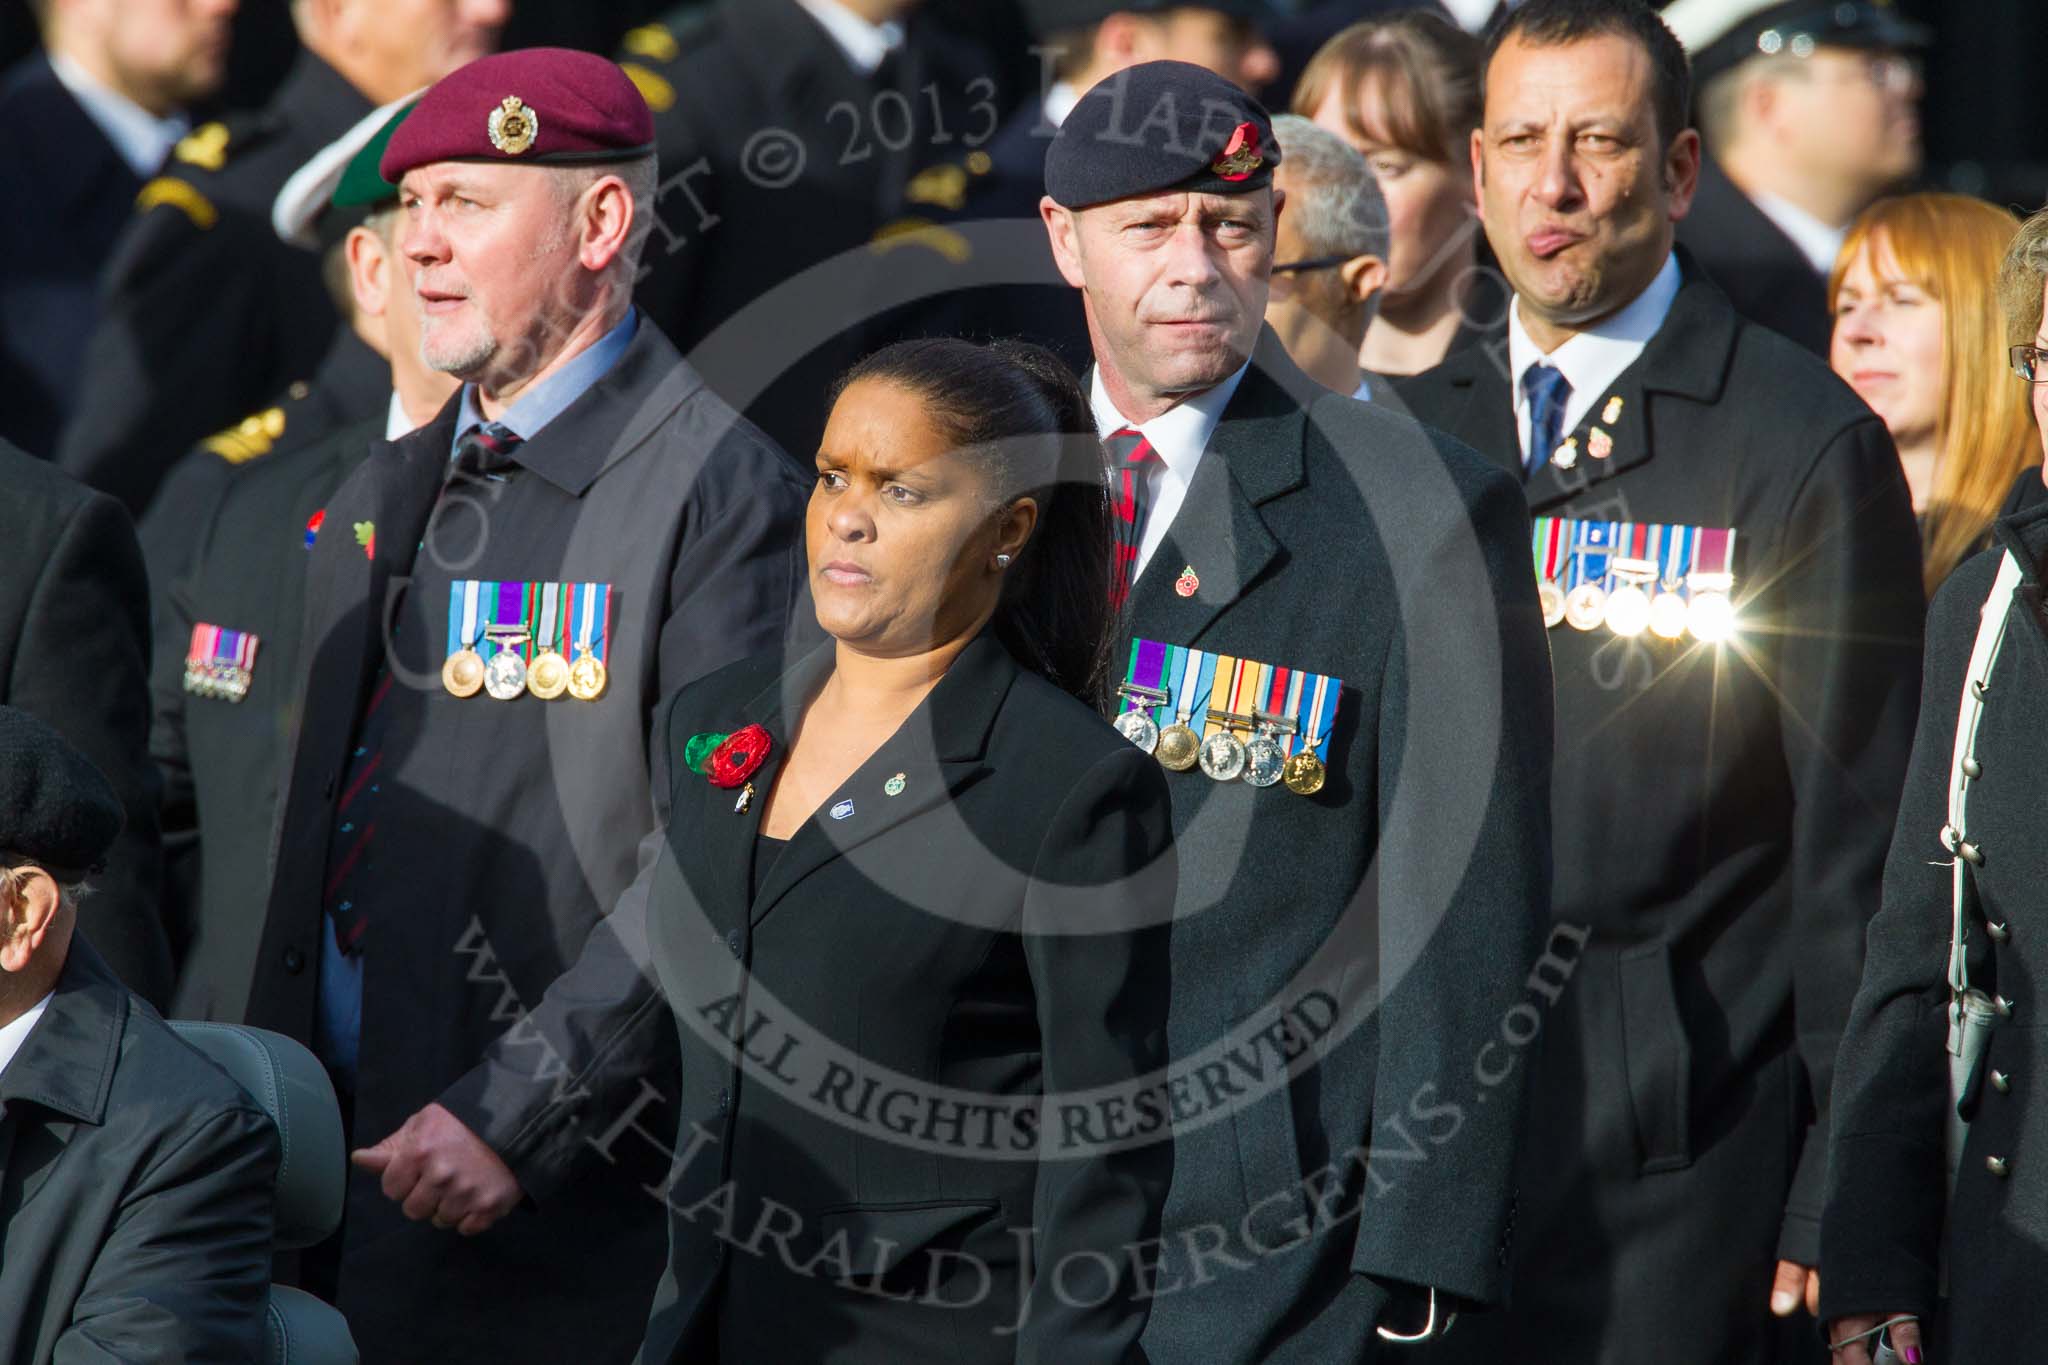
(1711, 618)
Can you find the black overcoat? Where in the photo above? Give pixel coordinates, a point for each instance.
(1407, 899)
(138, 1189)
(1883, 1232)
(1721, 818)
(74, 650)
(506, 830)
(223, 761)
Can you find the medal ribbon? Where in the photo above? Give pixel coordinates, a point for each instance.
(1223, 677)
(1716, 552)
(593, 627)
(1292, 707)
(1148, 669)
(549, 637)
(1676, 561)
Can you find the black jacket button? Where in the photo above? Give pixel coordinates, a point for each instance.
(732, 941)
(294, 961)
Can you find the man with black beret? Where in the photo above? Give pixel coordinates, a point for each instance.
(1809, 110)
(1080, 43)
(137, 1181)
(1328, 581)
(228, 619)
(494, 605)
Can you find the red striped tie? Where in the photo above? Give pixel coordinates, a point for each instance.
(1130, 458)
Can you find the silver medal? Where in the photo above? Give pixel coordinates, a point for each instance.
(1264, 762)
(1223, 756)
(1139, 728)
(505, 675)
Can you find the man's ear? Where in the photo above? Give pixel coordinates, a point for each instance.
(605, 223)
(1363, 276)
(369, 271)
(1682, 172)
(27, 910)
(1063, 228)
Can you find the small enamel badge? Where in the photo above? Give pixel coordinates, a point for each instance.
(894, 786)
(843, 811)
(1612, 412)
(1566, 455)
(1240, 157)
(513, 127)
(1599, 444)
(1187, 584)
(366, 536)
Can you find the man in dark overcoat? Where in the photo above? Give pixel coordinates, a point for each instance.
(494, 606)
(1729, 563)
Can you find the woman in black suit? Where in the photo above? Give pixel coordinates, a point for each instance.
(914, 928)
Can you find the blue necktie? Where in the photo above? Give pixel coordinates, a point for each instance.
(1547, 391)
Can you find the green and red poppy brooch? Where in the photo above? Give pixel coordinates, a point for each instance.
(728, 760)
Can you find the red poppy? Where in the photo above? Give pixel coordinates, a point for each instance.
(740, 757)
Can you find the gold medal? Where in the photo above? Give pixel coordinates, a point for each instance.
(1552, 598)
(1585, 606)
(587, 676)
(1304, 773)
(547, 677)
(1178, 749)
(463, 673)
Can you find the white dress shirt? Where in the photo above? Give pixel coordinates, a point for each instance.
(16, 1033)
(864, 44)
(141, 138)
(397, 421)
(1179, 436)
(1817, 242)
(1593, 359)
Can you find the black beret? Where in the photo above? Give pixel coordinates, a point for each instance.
(1048, 17)
(1724, 36)
(56, 810)
(1159, 127)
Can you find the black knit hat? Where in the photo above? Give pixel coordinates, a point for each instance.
(56, 810)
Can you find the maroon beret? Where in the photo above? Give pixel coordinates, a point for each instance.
(539, 105)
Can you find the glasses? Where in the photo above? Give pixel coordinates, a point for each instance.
(2030, 363)
(1312, 264)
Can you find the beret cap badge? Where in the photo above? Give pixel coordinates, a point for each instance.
(1240, 158)
(513, 126)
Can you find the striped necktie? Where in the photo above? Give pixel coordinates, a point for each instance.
(1132, 459)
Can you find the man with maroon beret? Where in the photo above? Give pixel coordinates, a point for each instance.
(495, 603)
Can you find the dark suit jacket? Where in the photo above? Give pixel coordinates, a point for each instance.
(223, 762)
(1768, 279)
(205, 314)
(353, 384)
(1721, 820)
(507, 830)
(782, 157)
(72, 194)
(1410, 895)
(996, 932)
(138, 1185)
(74, 649)
(1886, 1206)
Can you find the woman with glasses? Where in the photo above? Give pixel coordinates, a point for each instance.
(1937, 1039)
(1404, 91)
(1917, 335)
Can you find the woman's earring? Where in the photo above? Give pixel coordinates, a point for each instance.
(1002, 561)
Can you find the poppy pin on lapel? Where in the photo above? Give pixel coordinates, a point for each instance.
(1187, 584)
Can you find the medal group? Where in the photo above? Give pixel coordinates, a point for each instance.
(509, 639)
(1633, 577)
(1189, 707)
(220, 664)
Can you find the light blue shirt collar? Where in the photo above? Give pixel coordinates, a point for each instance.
(550, 398)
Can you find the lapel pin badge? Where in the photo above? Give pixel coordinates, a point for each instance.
(1187, 584)
(1599, 444)
(1612, 412)
(1566, 455)
(894, 786)
(843, 810)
